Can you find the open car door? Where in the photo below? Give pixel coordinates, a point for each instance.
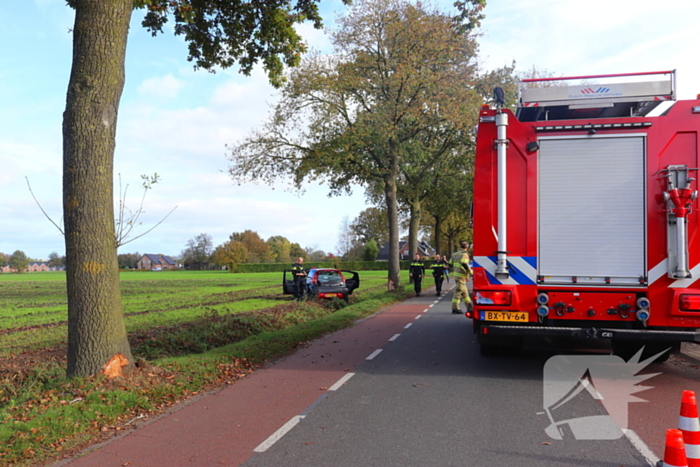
(287, 284)
(352, 280)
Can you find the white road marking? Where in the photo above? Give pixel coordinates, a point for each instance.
(277, 435)
(341, 381)
(408, 325)
(426, 310)
(418, 317)
(374, 354)
(394, 337)
(431, 305)
(643, 449)
(309, 408)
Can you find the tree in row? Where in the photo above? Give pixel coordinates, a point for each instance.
(245, 247)
(392, 110)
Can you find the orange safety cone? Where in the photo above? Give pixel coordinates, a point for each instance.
(674, 454)
(689, 424)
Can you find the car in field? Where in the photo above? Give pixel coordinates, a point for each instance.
(324, 283)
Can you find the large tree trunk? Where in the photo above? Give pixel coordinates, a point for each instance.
(413, 226)
(393, 214)
(438, 235)
(451, 243)
(96, 331)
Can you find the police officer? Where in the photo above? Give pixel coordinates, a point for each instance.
(299, 278)
(438, 268)
(416, 271)
(461, 272)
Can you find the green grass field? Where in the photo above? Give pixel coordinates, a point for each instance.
(33, 309)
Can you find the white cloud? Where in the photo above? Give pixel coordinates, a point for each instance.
(164, 87)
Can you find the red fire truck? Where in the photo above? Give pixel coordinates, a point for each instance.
(585, 214)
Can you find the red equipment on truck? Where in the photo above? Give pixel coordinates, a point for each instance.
(585, 215)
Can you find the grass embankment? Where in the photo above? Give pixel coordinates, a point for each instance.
(191, 332)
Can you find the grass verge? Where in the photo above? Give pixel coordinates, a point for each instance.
(42, 414)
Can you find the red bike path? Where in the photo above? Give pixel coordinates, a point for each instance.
(225, 426)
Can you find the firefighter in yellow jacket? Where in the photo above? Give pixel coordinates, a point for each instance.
(461, 272)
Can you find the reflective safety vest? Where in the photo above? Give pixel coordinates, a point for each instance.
(417, 268)
(298, 270)
(460, 264)
(438, 268)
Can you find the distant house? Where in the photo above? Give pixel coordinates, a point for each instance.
(38, 266)
(34, 266)
(156, 262)
(423, 249)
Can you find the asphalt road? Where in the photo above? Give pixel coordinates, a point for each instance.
(429, 399)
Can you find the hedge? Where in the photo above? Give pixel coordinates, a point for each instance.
(347, 265)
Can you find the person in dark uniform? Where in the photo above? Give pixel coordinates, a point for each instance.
(438, 268)
(416, 271)
(299, 278)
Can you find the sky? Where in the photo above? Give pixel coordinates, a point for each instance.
(176, 122)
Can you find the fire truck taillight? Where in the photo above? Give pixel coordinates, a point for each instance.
(689, 302)
(495, 297)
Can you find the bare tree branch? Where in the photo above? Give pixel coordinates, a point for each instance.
(42, 209)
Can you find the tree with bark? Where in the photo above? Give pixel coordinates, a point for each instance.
(258, 250)
(371, 223)
(345, 238)
(312, 253)
(230, 254)
(55, 260)
(128, 260)
(296, 251)
(371, 250)
(18, 261)
(441, 157)
(281, 248)
(198, 253)
(219, 34)
(399, 73)
(447, 210)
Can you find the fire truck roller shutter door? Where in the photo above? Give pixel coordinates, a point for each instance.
(592, 209)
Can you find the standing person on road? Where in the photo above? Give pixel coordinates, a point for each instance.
(438, 268)
(461, 272)
(299, 278)
(416, 272)
(446, 265)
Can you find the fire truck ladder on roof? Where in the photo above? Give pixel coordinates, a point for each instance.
(555, 99)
